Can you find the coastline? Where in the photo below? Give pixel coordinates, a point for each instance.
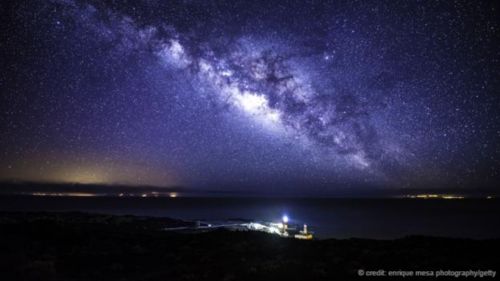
(83, 246)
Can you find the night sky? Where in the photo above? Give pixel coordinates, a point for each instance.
(251, 95)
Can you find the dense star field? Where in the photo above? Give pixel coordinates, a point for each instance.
(251, 94)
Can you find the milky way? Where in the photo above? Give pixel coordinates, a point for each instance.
(252, 94)
(261, 85)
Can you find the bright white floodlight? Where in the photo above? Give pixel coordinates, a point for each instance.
(285, 219)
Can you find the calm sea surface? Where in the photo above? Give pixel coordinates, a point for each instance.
(328, 218)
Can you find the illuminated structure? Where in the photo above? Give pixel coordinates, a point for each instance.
(304, 234)
(285, 224)
(282, 228)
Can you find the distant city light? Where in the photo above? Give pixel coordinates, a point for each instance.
(435, 196)
(65, 194)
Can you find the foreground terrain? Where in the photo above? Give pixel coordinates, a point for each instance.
(79, 246)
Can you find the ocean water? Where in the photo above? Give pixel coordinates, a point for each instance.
(327, 218)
